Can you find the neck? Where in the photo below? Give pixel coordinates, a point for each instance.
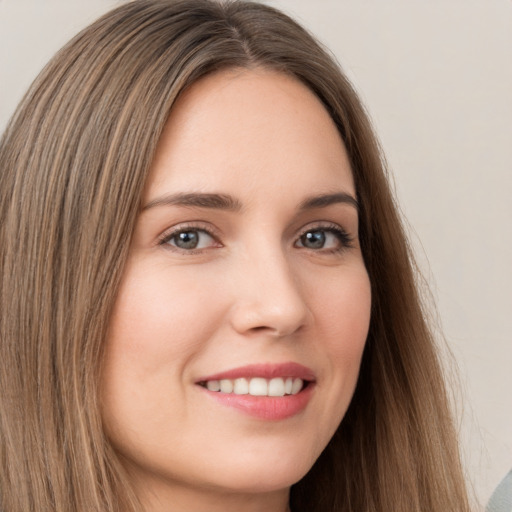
(165, 498)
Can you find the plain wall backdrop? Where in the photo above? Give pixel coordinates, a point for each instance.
(436, 78)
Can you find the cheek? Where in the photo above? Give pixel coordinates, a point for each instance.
(156, 318)
(343, 322)
(344, 314)
(155, 331)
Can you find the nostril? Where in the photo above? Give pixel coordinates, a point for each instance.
(277, 331)
(262, 328)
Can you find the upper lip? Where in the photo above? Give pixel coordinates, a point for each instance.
(266, 371)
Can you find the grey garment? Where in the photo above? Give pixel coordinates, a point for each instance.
(501, 499)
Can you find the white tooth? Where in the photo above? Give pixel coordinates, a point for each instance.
(213, 385)
(297, 386)
(276, 387)
(258, 387)
(226, 386)
(241, 387)
(288, 386)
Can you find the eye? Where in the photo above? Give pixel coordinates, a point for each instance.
(189, 239)
(332, 238)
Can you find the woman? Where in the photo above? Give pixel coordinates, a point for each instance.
(208, 299)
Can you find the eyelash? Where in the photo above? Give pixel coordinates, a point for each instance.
(346, 241)
(168, 235)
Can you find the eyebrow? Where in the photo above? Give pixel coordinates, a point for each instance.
(325, 200)
(227, 202)
(200, 200)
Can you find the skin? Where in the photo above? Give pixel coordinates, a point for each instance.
(253, 291)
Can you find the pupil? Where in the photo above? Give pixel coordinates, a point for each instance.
(187, 240)
(314, 239)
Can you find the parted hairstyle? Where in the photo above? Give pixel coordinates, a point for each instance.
(73, 164)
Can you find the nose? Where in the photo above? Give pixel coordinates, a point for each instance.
(269, 298)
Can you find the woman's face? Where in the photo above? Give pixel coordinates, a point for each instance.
(245, 275)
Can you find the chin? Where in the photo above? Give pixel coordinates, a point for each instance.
(266, 476)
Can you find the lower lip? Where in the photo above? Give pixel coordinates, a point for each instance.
(270, 408)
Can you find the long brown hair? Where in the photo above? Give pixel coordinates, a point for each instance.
(73, 164)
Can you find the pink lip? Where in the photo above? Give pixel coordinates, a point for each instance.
(267, 371)
(264, 407)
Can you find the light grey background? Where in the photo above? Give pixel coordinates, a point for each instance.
(437, 80)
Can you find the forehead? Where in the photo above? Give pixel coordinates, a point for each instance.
(242, 129)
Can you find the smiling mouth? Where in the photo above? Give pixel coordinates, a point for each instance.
(268, 392)
(257, 386)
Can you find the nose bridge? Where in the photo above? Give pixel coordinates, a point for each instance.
(269, 295)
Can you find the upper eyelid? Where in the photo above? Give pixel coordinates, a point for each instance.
(326, 226)
(321, 224)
